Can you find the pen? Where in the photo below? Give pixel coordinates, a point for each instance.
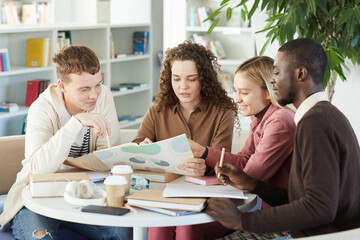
(108, 140)
(221, 161)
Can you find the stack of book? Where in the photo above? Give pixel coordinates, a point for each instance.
(164, 177)
(38, 52)
(128, 86)
(141, 42)
(34, 89)
(4, 60)
(151, 198)
(9, 107)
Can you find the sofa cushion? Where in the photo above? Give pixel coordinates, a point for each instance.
(12, 149)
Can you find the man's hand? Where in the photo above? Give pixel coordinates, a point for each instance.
(196, 148)
(233, 175)
(224, 211)
(195, 166)
(96, 121)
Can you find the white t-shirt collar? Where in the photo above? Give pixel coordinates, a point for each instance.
(308, 103)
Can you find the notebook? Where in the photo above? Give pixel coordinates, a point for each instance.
(192, 190)
(204, 180)
(154, 198)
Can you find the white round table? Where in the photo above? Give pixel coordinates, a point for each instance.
(58, 208)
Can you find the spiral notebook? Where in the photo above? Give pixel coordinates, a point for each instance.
(191, 190)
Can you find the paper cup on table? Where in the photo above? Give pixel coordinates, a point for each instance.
(125, 171)
(115, 190)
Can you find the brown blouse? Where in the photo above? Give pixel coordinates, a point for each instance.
(208, 125)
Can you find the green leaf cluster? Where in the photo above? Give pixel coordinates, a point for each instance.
(335, 24)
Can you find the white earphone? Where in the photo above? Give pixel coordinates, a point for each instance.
(84, 189)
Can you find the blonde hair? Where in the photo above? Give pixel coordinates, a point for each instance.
(259, 70)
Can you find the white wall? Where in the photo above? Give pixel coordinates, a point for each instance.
(347, 97)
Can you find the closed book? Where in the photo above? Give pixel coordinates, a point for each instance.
(32, 92)
(154, 198)
(163, 177)
(53, 184)
(204, 180)
(37, 52)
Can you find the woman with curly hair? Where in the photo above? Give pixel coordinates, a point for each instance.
(190, 100)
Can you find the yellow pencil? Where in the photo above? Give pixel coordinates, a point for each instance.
(221, 161)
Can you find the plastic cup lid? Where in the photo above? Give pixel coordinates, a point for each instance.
(115, 180)
(121, 169)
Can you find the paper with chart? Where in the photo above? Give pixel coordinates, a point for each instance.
(163, 156)
(191, 190)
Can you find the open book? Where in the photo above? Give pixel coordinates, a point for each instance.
(163, 156)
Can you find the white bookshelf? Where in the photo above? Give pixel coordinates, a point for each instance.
(237, 39)
(133, 69)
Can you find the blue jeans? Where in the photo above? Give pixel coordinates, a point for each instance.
(26, 223)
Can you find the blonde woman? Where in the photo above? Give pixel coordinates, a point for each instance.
(267, 153)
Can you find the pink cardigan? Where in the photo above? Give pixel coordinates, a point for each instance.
(267, 153)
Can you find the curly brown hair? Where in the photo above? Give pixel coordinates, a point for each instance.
(208, 75)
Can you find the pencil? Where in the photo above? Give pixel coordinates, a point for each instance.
(221, 160)
(108, 140)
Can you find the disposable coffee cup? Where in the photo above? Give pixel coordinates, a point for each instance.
(115, 190)
(125, 171)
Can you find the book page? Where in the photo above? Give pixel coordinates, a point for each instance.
(162, 156)
(191, 190)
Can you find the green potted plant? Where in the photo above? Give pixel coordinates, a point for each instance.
(335, 24)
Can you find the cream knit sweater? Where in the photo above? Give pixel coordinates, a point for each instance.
(49, 136)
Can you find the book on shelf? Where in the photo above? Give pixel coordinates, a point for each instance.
(170, 212)
(53, 184)
(220, 50)
(163, 177)
(203, 180)
(64, 39)
(9, 12)
(9, 107)
(226, 80)
(128, 86)
(193, 190)
(4, 60)
(34, 89)
(198, 15)
(38, 52)
(162, 156)
(154, 198)
(141, 41)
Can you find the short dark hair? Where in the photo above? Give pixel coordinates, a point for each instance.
(75, 59)
(305, 52)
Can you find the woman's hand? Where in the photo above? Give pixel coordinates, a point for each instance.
(195, 166)
(196, 148)
(146, 141)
